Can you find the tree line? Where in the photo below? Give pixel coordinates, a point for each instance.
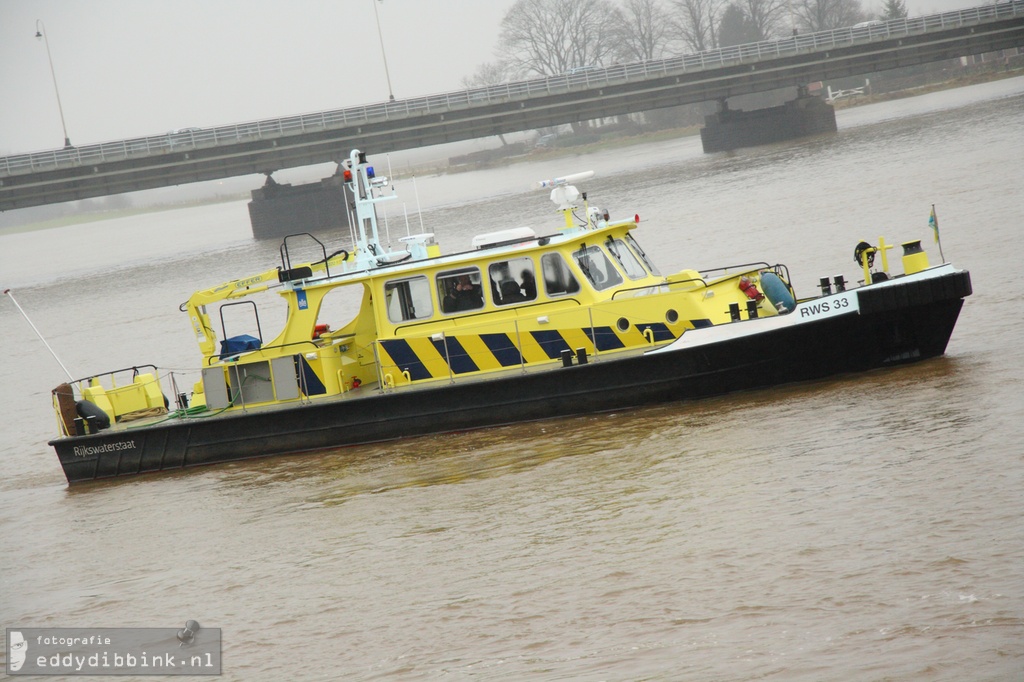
(549, 37)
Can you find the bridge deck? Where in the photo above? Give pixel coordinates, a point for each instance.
(265, 146)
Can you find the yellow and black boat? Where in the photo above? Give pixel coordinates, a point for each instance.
(379, 344)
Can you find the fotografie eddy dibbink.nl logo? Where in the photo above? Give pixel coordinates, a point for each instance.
(191, 650)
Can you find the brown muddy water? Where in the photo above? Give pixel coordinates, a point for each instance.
(864, 528)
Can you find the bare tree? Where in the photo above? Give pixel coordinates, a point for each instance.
(547, 37)
(646, 31)
(697, 23)
(736, 28)
(489, 73)
(594, 25)
(765, 15)
(824, 15)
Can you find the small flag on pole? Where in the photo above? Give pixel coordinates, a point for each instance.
(933, 223)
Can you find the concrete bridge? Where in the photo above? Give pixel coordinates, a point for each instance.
(265, 146)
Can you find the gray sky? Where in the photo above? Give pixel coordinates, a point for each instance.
(129, 68)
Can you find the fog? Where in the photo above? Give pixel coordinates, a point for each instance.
(126, 68)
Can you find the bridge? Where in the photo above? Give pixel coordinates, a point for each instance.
(74, 173)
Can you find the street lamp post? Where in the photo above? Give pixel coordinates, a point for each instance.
(41, 33)
(383, 54)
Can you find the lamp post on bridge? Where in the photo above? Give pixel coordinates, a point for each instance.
(41, 33)
(387, 75)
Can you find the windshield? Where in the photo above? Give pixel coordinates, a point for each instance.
(626, 258)
(643, 256)
(597, 268)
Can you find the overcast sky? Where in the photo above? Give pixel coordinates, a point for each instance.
(129, 68)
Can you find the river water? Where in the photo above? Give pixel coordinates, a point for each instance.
(865, 528)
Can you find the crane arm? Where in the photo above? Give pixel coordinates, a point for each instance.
(197, 302)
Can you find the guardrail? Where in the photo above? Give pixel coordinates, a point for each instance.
(520, 90)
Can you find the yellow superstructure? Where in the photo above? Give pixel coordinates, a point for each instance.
(519, 301)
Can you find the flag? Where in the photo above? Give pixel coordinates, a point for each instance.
(933, 223)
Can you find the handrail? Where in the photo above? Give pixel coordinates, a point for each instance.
(216, 360)
(111, 373)
(519, 90)
(738, 269)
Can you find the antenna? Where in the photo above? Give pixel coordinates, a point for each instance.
(23, 314)
(559, 182)
(349, 215)
(416, 192)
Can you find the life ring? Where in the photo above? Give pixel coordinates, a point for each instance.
(92, 414)
(860, 249)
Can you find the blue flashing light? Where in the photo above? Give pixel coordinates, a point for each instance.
(369, 172)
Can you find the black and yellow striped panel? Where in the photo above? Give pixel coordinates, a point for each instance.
(425, 358)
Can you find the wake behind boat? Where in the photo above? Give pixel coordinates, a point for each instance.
(379, 344)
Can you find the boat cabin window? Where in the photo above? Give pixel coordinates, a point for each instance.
(558, 278)
(643, 256)
(512, 281)
(626, 258)
(408, 299)
(460, 290)
(596, 266)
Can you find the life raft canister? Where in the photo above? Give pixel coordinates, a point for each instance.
(777, 292)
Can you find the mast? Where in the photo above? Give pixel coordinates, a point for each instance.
(366, 188)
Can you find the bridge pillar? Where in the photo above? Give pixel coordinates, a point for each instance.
(734, 128)
(277, 210)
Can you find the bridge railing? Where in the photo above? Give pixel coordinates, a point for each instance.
(186, 140)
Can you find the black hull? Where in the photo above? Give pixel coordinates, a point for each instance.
(895, 324)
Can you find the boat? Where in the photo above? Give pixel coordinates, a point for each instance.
(379, 344)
